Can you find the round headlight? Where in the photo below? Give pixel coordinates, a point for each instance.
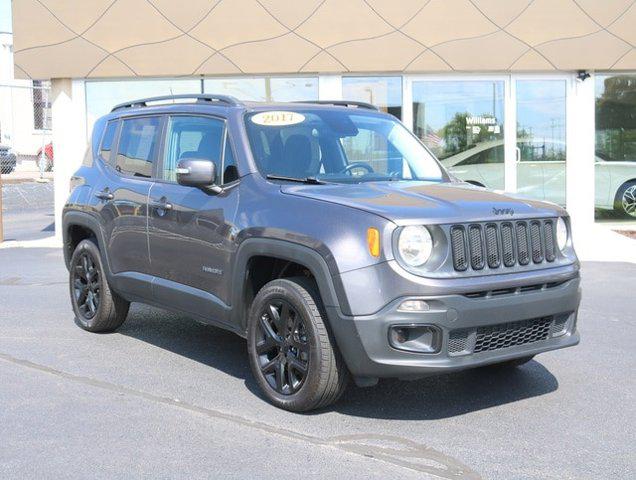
(415, 245)
(561, 233)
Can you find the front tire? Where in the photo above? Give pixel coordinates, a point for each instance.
(292, 353)
(97, 308)
(625, 202)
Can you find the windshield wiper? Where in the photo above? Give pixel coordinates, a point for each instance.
(307, 180)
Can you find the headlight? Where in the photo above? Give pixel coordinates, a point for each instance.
(561, 233)
(415, 245)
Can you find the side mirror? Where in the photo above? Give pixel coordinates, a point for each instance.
(195, 172)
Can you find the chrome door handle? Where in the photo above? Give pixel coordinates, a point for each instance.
(161, 205)
(105, 195)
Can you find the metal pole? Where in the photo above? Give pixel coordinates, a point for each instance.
(42, 165)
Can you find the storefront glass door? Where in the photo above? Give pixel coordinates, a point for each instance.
(500, 132)
(540, 142)
(462, 122)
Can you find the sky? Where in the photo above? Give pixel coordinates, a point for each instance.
(5, 16)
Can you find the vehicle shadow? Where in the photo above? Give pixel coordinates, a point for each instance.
(430, 398)
(184, 336)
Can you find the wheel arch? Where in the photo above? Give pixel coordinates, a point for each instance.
(78, 226)
(331, 292)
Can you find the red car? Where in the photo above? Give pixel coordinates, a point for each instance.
(48, 157)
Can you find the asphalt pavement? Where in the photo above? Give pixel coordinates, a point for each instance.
(27, 210)
(167, 397)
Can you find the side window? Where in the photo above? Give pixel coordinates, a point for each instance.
(230, 171)
(107, 140)
(138, 144)
(192, 137)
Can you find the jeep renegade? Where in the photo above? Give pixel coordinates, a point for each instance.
(324, 233)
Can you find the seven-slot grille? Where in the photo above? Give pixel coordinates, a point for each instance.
(495, 244)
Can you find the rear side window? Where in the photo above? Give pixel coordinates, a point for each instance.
(138, 143)
(107, 140)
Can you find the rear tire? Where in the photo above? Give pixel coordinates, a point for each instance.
(292, 353)
(97, 308)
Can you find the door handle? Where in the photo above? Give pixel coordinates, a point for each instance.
(105, 195)
(518, 154)
(162, 204)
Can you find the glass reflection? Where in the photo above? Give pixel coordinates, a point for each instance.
(541, 147)
(383, 92)
(462, 122)
(615, 165)
(265, 89)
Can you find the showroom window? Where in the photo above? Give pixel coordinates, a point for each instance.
(462, 122)
(383, 92)
(541, 141)
(102, 96)
(265, 89)
(615, 160)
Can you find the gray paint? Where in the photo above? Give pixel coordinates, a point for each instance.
(192, 257)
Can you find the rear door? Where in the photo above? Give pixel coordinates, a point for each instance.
(190, 229)
(124, 192)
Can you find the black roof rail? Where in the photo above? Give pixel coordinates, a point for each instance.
(342, 103)
(199, 97)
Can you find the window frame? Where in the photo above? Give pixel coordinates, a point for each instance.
(158, 151)
(224, 141)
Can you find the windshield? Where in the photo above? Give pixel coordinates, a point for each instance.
(337, 146)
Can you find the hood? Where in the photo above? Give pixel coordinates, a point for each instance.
(422, 202)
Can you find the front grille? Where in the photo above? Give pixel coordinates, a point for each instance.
(460, 261)
(506, 244)
(511, 334)
(505, 335)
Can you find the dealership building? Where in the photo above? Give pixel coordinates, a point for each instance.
(537, 98)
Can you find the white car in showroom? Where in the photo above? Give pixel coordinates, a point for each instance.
(541, 176)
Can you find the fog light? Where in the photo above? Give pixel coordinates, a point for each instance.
(413, 306)
(415, 338)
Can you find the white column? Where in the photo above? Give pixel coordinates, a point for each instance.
(330, 87)
(580, 156)
(69, 138)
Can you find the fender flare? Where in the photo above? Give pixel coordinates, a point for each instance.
(329, 286)
(89, 222)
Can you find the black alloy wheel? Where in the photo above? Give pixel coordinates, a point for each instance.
(97, 308)
(282, 347)
(86, 285)
(292, 353)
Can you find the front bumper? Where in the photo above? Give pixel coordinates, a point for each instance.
(363, 340)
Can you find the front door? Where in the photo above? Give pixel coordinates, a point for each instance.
(190, 229)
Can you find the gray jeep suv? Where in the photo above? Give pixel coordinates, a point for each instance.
(324, 233)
